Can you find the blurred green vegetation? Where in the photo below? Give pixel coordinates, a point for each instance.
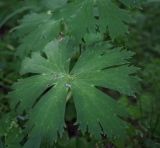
(144, 39)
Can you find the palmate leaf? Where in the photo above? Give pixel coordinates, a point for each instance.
(88, 15)
(45, 92)
(77, 17)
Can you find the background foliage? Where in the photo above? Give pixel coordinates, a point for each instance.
(144, 37)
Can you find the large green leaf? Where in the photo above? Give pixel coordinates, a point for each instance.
(46, 92)
(86, 15)
(75, 18)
